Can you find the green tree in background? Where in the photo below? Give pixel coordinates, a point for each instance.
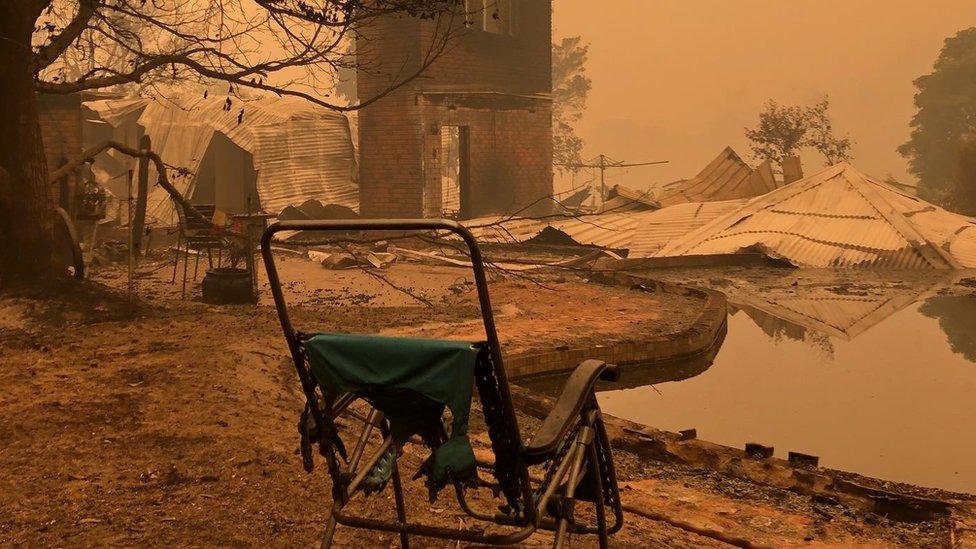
(946, 102)
(570, 88)
(962, 188)
(785, 130)
(956, 320)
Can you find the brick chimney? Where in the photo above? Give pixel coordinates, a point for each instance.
(792, 169)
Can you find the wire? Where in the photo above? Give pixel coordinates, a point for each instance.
(611, 164)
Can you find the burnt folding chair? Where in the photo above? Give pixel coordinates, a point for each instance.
(420, 391)
(198, 236)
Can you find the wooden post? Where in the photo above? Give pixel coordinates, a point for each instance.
(138, 223)
(132, 249)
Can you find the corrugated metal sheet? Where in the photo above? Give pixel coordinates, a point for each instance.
(575, 199)
(118, 111)
(613, 230)
(503, 230)
(603, 230)
(300, 151)
(726, 177)
(838, 217)
(621, 199)
(308, 158)
(640, 232)
(655, 229)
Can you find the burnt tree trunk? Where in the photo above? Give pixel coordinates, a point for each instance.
(26, 209)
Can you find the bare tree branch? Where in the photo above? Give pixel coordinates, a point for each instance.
(162, 179)
(50, 52)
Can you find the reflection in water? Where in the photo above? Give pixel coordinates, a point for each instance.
(957, 320)
(883, 394)
(778, 329)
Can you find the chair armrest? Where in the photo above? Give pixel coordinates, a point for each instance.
(575, 394)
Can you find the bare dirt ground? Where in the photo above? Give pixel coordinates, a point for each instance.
(174, 424)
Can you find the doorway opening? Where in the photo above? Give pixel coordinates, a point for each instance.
(455, 159)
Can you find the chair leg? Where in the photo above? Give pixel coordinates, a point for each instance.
(601, 512)
(196, 266)
(186, 263)
(176, 262)
(210, 257)
(574, 475)
(400, 505)
(220, 254)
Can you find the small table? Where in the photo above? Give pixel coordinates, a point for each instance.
(248, 225)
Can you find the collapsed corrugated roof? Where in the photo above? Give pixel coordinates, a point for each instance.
(614, 231)
(300, 151)
(656, 229)
(624, 199)
(839, 217)
(640, 232)
(118, 111)
(727, 177)
(574, 202)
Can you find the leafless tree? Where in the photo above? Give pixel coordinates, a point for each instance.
(70, 46)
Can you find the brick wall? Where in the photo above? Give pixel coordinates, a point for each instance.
(510, 155)
(520, 63)
(60, 118)
(497, 85)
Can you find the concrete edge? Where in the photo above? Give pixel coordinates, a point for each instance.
(700, 338)
(848, 489)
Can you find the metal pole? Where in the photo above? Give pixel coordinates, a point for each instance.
(603, 182)
(251, 264)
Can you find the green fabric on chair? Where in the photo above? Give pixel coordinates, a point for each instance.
(442, 371)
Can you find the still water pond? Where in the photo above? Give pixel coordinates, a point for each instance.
(897, 401)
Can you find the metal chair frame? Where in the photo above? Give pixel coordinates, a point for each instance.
(577, 447)
(189, 238)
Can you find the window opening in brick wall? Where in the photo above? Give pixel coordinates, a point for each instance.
(494, 16)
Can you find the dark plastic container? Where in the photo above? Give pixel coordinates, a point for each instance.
(227, 285)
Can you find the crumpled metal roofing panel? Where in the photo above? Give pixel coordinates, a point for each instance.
(614, 230)
(655, 229)
(726, 177)
(829, 220)
(311, 159)
(833, 198)
(640, 232)
(183, 144)
(117, 111)
(503, 229)
(964, 249)
(301, 151)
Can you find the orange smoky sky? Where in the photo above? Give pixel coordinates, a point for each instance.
(680, 79)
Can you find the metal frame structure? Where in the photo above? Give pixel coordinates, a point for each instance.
(572, 442)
